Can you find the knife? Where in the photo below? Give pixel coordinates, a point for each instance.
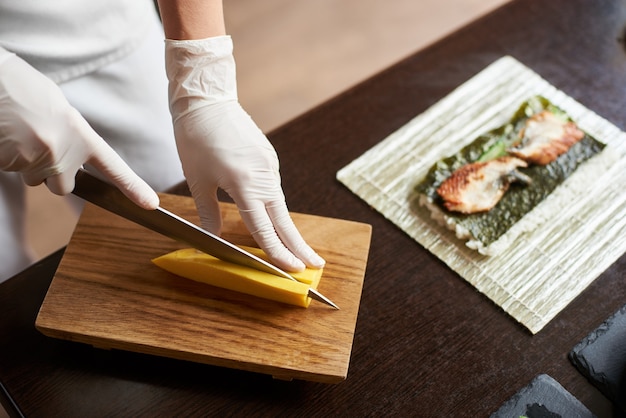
(109, 197)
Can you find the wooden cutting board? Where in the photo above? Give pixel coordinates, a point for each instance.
(107, 293)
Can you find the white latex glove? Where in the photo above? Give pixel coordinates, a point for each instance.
(221, 147)
(45, 139)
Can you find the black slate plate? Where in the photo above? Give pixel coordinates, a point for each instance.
(601, 357)
(544, 397)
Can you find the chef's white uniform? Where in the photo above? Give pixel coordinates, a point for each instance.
(108, 59)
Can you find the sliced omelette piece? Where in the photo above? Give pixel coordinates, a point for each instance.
(198, 266)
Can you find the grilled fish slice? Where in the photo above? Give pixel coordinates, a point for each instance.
(479, 186)
(545, 137)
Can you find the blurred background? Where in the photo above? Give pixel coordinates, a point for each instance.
(293, 55)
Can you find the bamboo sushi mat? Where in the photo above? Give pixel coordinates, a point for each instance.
(557, 249)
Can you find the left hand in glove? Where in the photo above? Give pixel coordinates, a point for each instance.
(221, 147)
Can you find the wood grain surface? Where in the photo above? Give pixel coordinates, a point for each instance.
(107, 293)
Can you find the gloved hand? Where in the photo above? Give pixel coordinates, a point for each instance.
(45, 139)
(221, 147)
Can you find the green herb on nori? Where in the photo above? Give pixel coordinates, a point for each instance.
(520, 199)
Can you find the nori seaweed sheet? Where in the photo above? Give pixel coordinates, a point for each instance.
(520, 199)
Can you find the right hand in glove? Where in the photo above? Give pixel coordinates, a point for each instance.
(221, 147)
(45, 139)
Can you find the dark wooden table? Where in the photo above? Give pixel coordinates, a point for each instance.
(426, 343)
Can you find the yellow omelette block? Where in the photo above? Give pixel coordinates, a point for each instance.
(196, 265)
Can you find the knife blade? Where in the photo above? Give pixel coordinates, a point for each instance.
(92, 189)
